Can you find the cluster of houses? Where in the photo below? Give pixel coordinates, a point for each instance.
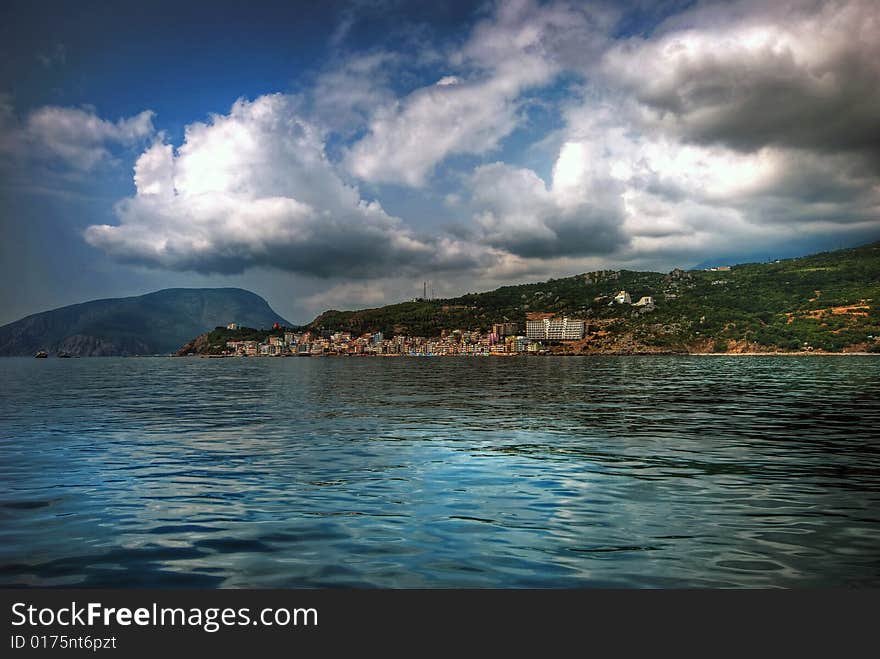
(504, 339)
(646, 302)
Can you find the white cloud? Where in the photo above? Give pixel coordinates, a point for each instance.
(516, 211)
(346, 93)
(621, 192)
(730, 125)
(254, 188)
(154, 171)
(733, 125)
(745, 123)
(791, 74)
(408, 139)
(76, 138)
(522, 46)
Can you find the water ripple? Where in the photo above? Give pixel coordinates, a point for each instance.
(575, 472)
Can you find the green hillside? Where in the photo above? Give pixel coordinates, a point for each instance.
(828, 301)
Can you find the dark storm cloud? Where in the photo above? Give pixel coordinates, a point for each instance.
(343, 250)
(799, 75)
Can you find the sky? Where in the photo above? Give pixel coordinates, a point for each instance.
(339, 154)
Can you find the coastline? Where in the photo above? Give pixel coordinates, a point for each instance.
(787, 354)
(610, 353)
(559, 354)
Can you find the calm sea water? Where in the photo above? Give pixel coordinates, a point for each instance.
(522, 472)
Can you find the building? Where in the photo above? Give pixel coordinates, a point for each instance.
(621, 298)
(535, 329)
(505, 329)
(566, 329)
(233, 326)
(555, 329)
(645, 304)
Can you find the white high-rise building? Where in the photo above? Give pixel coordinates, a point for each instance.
(555, 329)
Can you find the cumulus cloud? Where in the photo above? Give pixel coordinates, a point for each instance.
(728, 125)
(522, 46)
(346, 93)
(408, 139)
(255, 188)
(575, 215)
(731, 124)
(743, 123)
(788, 74)
(76, 138)
(627, 193)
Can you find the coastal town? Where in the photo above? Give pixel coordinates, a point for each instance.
(539, 332)
(809, 305)
(504, 339)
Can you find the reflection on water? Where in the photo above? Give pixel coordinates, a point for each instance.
(522, 472)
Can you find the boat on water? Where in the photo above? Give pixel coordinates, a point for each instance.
(63, 355)
(41, 354)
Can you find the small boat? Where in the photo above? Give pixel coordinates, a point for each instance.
(63, 355)
(41, 354)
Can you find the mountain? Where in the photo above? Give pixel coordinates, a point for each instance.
(155, 323)
(828, 301)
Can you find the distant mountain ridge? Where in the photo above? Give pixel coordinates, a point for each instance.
(152, 324)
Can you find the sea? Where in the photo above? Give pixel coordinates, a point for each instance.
(521, 472)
